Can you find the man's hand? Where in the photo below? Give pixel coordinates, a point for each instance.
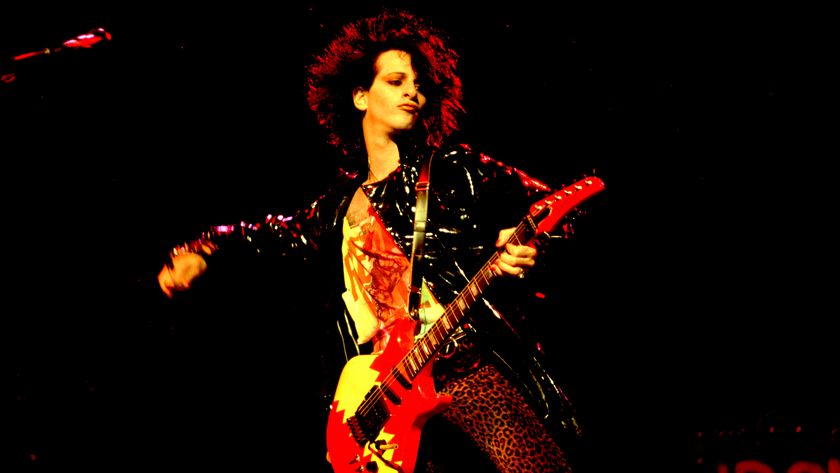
(187, 264)
(516, 258)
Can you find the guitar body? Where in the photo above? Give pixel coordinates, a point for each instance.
(404, 409)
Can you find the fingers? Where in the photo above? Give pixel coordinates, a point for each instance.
(504, 236)
(511, 264)
(515, 260)
(501, 268)
(521, 251)
(199, 247)
(208, 247)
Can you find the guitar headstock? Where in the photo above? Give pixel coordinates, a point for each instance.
(548, 211)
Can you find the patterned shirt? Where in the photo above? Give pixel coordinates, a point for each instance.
(377, 276)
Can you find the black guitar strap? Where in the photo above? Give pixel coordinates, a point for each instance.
(422, 189)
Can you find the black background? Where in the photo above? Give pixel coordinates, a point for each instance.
(689, 313)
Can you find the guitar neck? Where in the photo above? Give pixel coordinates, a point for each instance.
(439, 332)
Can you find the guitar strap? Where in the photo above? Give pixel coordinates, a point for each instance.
(416, 285)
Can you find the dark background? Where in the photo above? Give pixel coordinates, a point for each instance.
(689, 314)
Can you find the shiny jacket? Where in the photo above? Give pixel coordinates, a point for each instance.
(471, 198)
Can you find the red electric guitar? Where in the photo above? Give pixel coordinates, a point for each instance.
(382, 401)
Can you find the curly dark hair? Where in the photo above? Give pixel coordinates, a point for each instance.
(349, 62)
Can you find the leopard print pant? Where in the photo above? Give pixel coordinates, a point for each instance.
(488, 420)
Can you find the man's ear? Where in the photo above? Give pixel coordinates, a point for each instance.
(360, 98)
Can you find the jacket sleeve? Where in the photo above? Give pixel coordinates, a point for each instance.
(294, 236)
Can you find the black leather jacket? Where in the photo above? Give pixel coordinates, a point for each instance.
(471, 198)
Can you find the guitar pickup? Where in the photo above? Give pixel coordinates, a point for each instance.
(390, 395)
(401, 379)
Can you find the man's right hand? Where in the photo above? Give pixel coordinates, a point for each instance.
(179, 275)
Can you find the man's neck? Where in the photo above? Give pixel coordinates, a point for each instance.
(383, 158)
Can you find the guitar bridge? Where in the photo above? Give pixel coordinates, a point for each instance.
(371, 416)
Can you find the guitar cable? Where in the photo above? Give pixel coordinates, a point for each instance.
(379, 447)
